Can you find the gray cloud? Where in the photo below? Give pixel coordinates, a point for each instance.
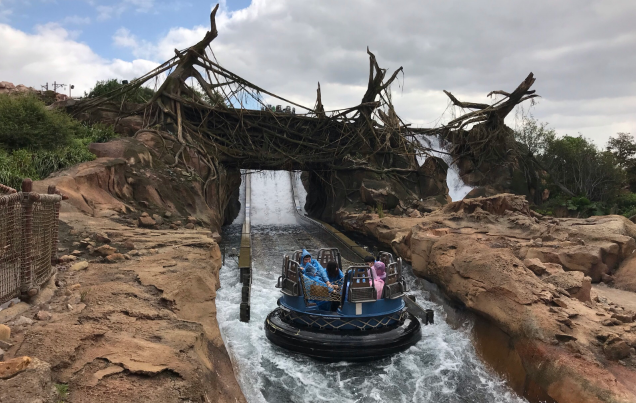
(580, 51)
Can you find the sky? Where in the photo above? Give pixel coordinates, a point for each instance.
(580, 51)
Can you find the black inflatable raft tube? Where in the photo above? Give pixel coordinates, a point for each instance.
(348, 345)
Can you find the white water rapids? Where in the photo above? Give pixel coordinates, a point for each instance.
(442, 367)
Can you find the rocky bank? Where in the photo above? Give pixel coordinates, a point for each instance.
(129, 314)
(531, 277)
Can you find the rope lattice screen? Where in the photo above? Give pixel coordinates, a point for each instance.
(28, 240)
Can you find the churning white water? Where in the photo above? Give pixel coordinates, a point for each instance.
(442, 367)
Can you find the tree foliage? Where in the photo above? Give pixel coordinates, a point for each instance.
(35, 141)
(581, 167)
(138, 95)
(598, 178)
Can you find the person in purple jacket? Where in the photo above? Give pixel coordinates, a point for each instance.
(378, 271)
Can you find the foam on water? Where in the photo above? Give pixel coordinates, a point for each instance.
(442, 367)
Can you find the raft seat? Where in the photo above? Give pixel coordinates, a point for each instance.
(386, 258)
(326, 255)
(290, 284)
(393, 288)
(298, 255)
(361, 287)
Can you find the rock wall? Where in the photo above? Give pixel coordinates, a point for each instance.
(134, 176)
(365, 189)
(530, 276)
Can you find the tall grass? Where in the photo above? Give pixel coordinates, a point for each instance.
(380, 210)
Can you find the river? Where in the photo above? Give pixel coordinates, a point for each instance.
(442, 367)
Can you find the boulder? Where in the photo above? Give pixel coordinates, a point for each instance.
(574, 282)
(216, 236)
(104, 250)
(189, 226)
(23, 320)
(43, 315)
(158, 219)
(129, 245)
(5, 332)
(13, 367)
(146, 222)
(536, 266)
(625, 276)
(626, 317)
(67, 258)
(79, 266)
(32, 383)
(616, 349)
(102, 238)
(115, 257)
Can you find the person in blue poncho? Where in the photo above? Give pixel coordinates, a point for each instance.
(321, 272)
(312, 277)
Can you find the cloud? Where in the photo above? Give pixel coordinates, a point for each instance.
(51, 54)
(5, 11)
(581, 52)
(76, 20)
(117, 9)
(163, 49)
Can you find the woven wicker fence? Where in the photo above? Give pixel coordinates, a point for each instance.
(28, 239)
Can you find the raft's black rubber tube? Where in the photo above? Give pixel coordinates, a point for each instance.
(330, 345)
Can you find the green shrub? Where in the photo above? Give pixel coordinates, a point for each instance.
(380, 209)
(62, 391)
(35, 142)
(26, 123)
(138, 95)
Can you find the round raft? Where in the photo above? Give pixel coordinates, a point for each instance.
(361, 318)
(342, 345)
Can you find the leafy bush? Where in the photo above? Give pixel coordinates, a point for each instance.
(138, 95)
(35, 142)
(25, 122)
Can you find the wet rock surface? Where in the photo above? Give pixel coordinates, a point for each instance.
(530, 276)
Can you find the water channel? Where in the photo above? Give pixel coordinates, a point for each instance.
(442, 367)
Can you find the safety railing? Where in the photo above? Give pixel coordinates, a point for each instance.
(29, 224)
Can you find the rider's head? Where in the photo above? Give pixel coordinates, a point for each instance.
(369, 260)
(307, 259)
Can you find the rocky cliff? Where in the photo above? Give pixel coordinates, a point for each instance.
(531, 277)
